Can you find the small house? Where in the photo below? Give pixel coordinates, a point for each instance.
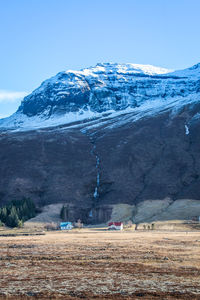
(115, 226)
(66, 225)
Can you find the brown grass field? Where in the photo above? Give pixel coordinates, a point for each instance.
(99, 264)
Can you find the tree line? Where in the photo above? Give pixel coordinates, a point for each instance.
(64, 213)
(17, 212)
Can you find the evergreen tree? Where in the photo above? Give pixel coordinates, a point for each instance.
(13, 219)
(64, 213)
(3, 214)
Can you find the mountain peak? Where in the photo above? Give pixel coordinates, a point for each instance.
(124, 68)
(106, 87)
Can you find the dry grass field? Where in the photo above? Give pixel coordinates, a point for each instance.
(99, 264)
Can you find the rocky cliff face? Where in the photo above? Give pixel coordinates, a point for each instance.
(102, 88)
(102, 136)
(107, 88)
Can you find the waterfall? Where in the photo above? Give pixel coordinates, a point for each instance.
(96, 190)
(93, 152)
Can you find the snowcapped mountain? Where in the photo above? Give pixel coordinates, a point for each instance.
(106, 135)
(73, 96)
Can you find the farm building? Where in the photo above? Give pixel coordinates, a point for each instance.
(115, 225)
(66, 226)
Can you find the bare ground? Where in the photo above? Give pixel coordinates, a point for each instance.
(98, 264)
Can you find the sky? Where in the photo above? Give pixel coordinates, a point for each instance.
(39, 38)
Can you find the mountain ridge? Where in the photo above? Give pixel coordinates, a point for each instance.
(77, 95)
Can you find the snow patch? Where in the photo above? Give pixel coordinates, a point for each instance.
(19, 121)
(187, 130)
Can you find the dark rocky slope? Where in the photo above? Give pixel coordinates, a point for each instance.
(153, 158)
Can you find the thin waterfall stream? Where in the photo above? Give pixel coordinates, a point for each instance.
(96, 190)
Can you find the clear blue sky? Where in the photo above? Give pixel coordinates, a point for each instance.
(39, 38)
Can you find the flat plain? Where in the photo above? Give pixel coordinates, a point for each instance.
(100, 264)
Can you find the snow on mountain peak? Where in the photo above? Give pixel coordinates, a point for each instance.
(107, 87)
(115, 68)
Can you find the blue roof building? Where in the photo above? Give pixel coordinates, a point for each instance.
(66, 225)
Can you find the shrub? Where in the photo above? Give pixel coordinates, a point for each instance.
(20, 224)
(78, 224)
(129, 224)
(51, 226)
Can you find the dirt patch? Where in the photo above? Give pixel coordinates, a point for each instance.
(50, 213)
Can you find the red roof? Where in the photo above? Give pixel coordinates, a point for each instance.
(115, 223)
